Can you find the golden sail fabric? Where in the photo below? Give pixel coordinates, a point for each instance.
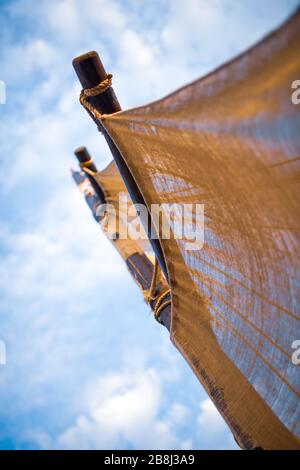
(117, 219)
(231, 141)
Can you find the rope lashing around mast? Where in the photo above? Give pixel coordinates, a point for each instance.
(86, 163)
(88, 171)
(150, 296)
(160, 305)
(87, 93)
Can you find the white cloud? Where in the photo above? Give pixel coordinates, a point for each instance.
(64, 19)
(35, 56)
(202, 35)
(122, 406)
(212, 428)
(178, 413)
(135, 52)
(125, 410)
(112, 16)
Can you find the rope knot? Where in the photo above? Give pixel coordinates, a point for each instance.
(83, 165)
(160, 300)
(87, 93)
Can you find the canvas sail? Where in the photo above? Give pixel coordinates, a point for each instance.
(231, 141)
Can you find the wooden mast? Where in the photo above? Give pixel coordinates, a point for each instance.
(90, 72)
(83, 156)
(139, 265)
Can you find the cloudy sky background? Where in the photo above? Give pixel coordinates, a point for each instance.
(87, 366)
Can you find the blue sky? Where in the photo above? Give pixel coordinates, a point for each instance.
(87, 366)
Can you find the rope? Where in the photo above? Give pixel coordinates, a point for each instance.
(85, 164)
(86, 93)
(160, 305)
(150, 294)
(88, 171)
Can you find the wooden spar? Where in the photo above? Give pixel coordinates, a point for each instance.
(83, 156)
(90, 72)
(138, 264)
